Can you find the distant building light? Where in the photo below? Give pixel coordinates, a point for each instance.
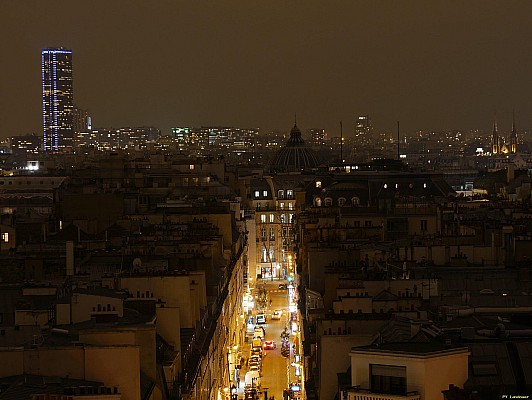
(402, 156)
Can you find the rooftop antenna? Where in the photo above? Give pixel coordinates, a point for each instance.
(341, 143)
(398, 141)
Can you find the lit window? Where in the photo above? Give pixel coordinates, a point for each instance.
(281, 206)
(424, 186)
(265, 193)
(191, 167)
(263, 218)
(318, 184)
(290, 206)
(385, 186)
(5, 237)
(272, 218)
(289, 194)
(283, 219)
(257, 193)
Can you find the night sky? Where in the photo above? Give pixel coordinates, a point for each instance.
(432, 64)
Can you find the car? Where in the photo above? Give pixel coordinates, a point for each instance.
(261, 319)
(254, 368)
(282, 286)
(256, 351)
(277, 314)
(269, 345)
(256, 364)
(258, 332)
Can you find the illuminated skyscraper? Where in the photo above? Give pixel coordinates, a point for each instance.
(363, 128)
(57, 99)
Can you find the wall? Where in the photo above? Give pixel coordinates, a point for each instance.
(115, 366)
(173, 290)
(334, 358)
(428, 374)
(12, 361)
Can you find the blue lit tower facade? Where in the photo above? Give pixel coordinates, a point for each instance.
(57, 99)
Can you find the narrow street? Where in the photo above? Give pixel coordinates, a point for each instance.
(276, 371)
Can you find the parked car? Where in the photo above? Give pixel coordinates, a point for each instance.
(261, 318)
(277, 314)
(282, 286)
(269, 345)
(259, 332)
(256, 351)
(255, 364)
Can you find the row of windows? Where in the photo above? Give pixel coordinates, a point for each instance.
(281, 205)
(410, 186)
(355, 201)
(268, 255)
(280, 194)
(285, 233)
(282, 218)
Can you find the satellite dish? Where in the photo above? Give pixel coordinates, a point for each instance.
(137, 263)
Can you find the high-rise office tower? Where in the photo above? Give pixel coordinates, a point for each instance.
(57, 99)
(363, 128)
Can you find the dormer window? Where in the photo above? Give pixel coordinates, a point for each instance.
(318, 184)
(341, 201)
(257, 193)
(265, 193)
(328, 201)
(289, 194)
(281, 194)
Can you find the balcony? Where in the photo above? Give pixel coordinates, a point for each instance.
(365, 394)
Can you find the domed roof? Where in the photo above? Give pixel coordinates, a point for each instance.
(295, 155)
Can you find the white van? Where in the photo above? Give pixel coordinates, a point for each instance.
(252, 378)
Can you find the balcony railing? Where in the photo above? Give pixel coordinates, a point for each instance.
(365, 394)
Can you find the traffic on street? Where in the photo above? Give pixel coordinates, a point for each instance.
(270, 366)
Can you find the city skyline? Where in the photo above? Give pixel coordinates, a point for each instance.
(431, 66)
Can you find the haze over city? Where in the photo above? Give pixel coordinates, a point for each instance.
(432, 65)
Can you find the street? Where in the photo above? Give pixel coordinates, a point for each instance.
(275, 368)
